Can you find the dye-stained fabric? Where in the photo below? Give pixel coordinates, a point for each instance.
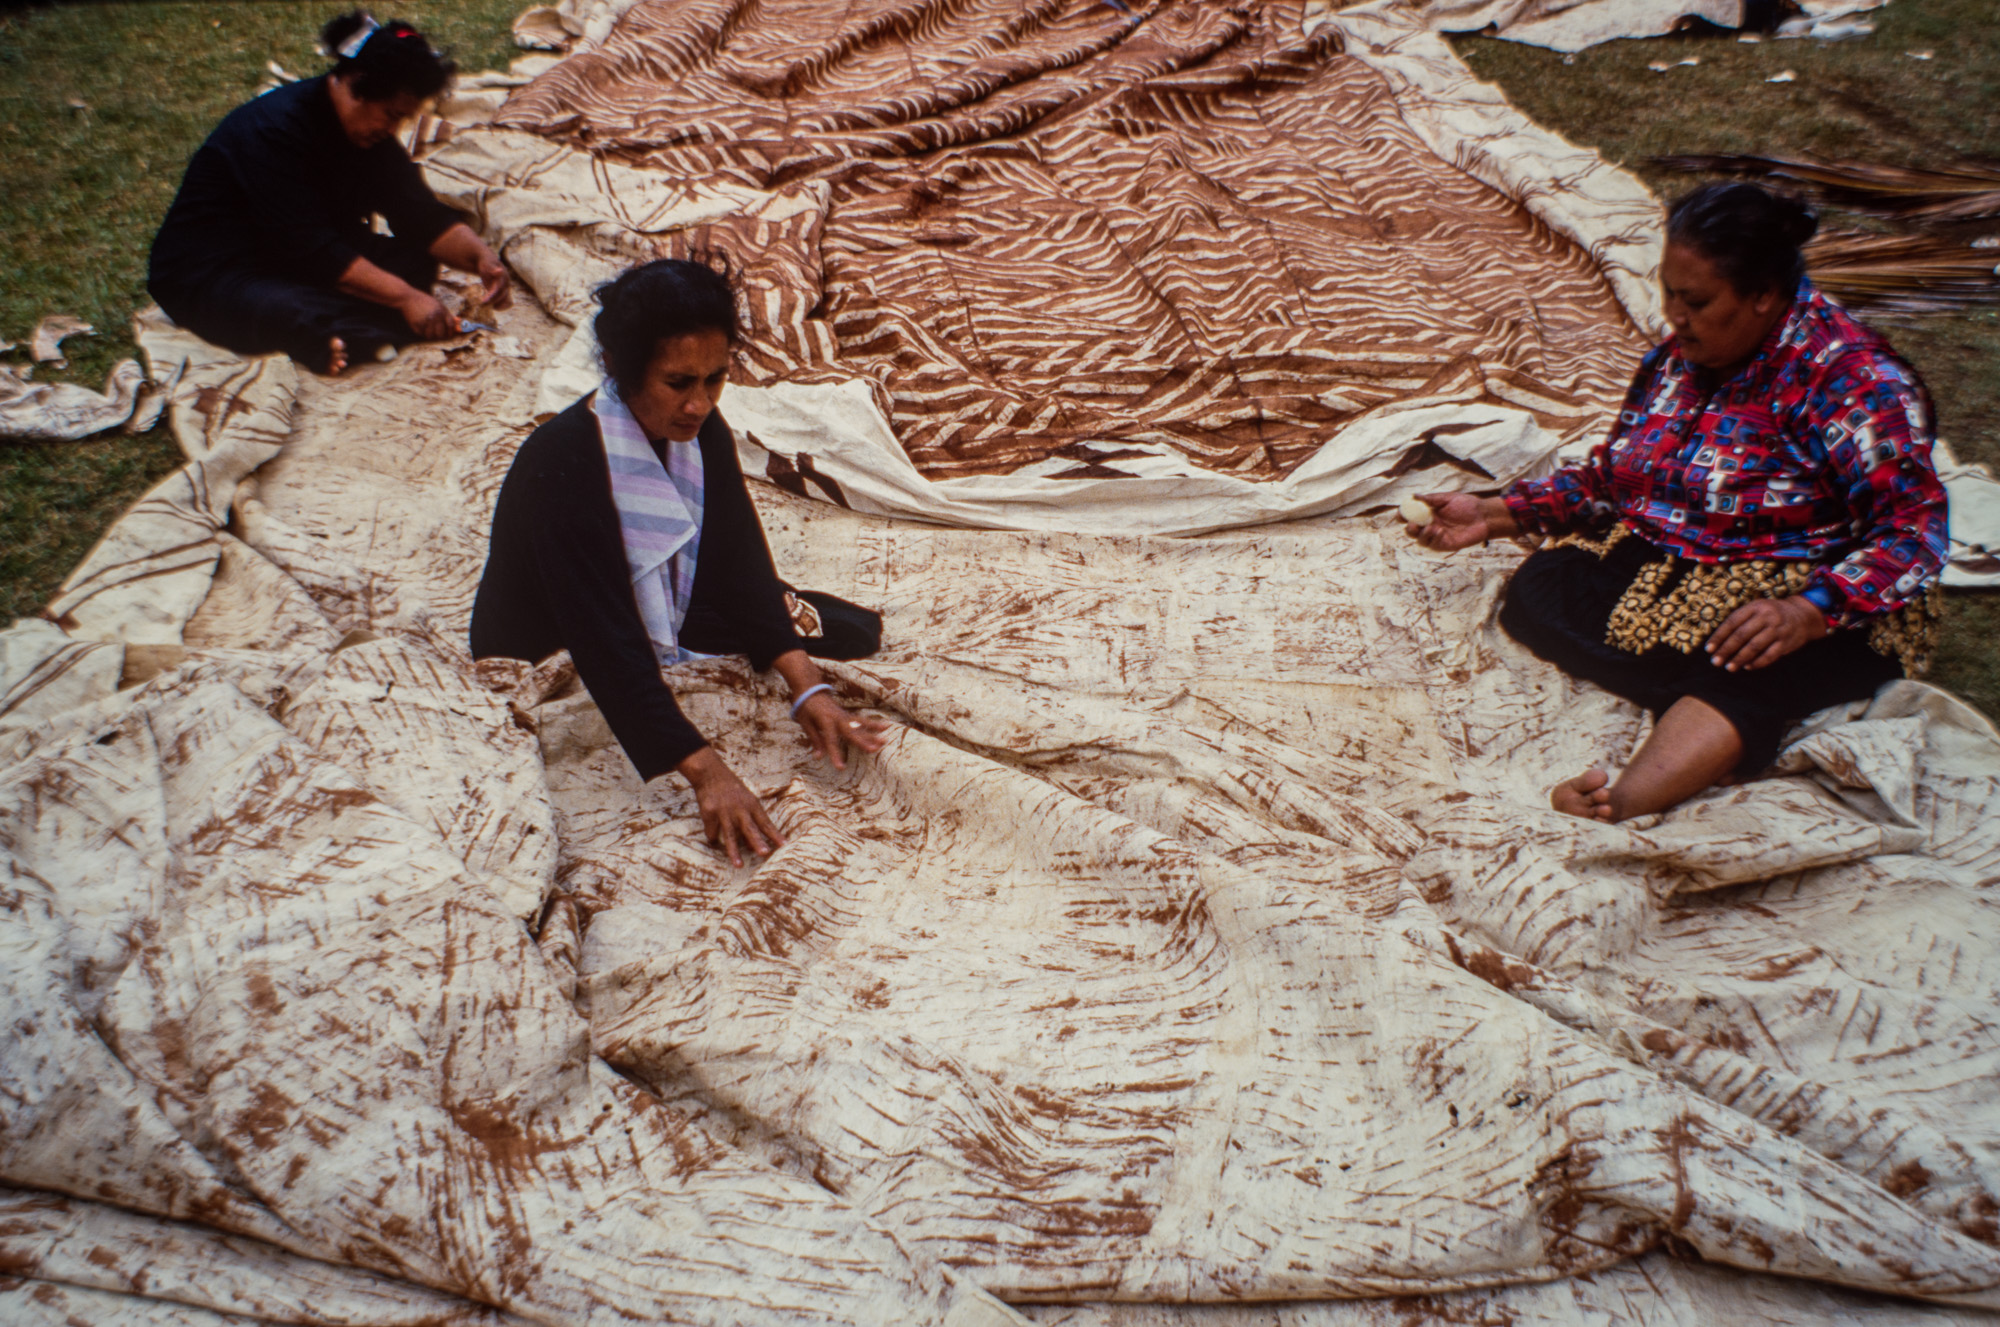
(1817, 450)
(67, 411)
(1071, 237)
(1200, 950)
(1201, 935)
(1565, 25)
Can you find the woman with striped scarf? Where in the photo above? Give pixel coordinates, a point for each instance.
(624, 534)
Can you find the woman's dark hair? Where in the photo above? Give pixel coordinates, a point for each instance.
(657, 302)
(386, 60)
(1751, 234)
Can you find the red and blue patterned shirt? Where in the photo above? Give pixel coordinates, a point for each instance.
(1818, 449)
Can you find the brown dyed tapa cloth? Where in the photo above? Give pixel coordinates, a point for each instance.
(1058, 233)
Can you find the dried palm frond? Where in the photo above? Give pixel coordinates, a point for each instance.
(1953, 193)
(1903, 273)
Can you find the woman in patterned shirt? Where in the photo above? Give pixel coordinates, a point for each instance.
(1760, 535)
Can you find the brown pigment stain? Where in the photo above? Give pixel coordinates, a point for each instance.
(264, 995)
(1045, 1103)
(268, 1119)
(511, 1147)
(210, 399)
(1984, 1222)
(1680, 1138)
(1497, 970)
(1559, 1180)
(1908, 1178)
(1662, 1042)
(1078, 1220)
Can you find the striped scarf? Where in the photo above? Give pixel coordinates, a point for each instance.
(659, 518)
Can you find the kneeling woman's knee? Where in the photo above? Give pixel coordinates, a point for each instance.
(1528, 607)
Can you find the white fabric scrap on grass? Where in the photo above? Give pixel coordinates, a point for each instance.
(1574, 25)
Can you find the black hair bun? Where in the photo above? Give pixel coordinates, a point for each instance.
(1752, 234)
(1797, 220)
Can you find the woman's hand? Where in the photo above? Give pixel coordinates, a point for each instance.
(832, 729)
(1764, 631)
(1459, 520)
(426, 317)
(733, 815)
(461, 247)
(829, 727)
(493, 280)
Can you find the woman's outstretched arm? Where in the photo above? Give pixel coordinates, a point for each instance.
(1459, 520)
(420, 309)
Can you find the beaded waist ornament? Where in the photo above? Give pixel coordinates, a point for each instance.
(1679, 603)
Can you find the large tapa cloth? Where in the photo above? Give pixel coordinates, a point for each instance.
(1202, 935)
(1073, 239)
(1336, 259)
(1564, 25)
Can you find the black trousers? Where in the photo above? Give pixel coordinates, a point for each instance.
(257, 315)
(1559, 605)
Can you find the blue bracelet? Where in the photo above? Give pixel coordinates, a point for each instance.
(807, 695)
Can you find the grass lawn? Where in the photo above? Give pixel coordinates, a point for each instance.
(86, 188)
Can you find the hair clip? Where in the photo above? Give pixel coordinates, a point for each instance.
(350, 48)
(397, 30)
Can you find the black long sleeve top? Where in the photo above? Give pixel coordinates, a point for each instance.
(557, 578)
(280, 190)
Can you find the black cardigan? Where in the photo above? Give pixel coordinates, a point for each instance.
(556, 578)
(278, 190)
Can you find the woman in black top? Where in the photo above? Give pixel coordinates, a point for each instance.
(624, 534)
(269, 244)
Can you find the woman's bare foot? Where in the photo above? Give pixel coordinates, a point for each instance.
(1587, 795)
(336, 358)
